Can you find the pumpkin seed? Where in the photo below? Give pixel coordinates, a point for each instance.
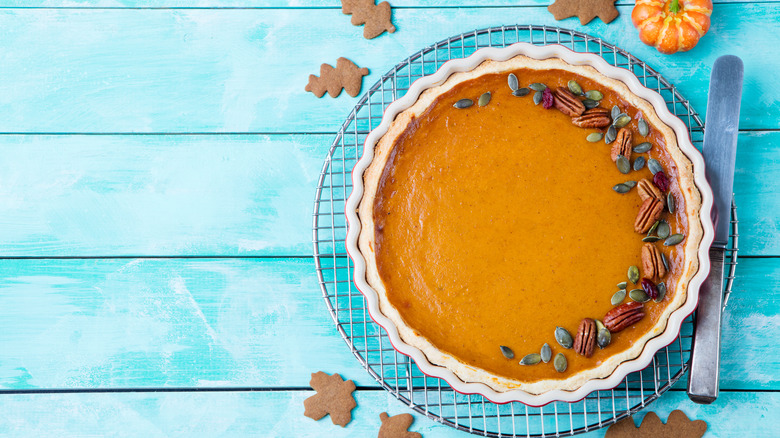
(641, 148)
(639, 163)
(651, 239)
(575, 88)
(484, 99)
(618, 297)
(594, 95)
(507, 352)
(603, 338)
(621, 188)
(639, 296)
(536, 86)
(663, 230)
(621, 121)
(531, 359)
(644, 128)
(674, 239)
(611, 134)
(563, 337)
(631, 184)
(654, 166)
(633, 274)
(665, 261)
(615, 112)
(560, 362)
(599, 324)
(594, 137)
(538, 97)
(463, 103)
(512, 81)
(653, 228)
(623, 165)
(661, 292)
(622, 285)
(546, 353)
(590, 103)
(670, 202)
(520, 92)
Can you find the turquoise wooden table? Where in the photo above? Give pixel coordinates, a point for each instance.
(159, 162)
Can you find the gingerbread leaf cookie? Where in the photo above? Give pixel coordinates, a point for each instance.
(334, 397)
(678, 425)
(586, 10)
(346, 75)
(375, 17)
(396, 426)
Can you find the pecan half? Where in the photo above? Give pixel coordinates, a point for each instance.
(647, 189)
(652, 265)
(623, 316)
(649, 212)
(623, 144)
(585, 341)
(567, 103)
(593, 118)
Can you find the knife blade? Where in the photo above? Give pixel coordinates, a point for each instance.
(720, 151)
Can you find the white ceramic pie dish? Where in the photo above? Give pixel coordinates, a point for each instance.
(537, 52)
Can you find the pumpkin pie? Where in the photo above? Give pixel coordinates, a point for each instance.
(529, 224)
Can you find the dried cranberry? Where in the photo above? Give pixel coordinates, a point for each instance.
(649, 287)
(661, 181)
(547, 98)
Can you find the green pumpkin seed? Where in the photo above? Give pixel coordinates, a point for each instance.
(590, 103)
(663, 230)
(621, 188)
(484, 99)
(563, 337)
(661, 292)
(560, 363)
(639, 163)
(599, 324)
(603, 338)
(621, 121)
(594, 137)
(639, 296)
(537, 86)
(653, 228)
(507, 352)
(538, 97)
(520, 92)
(631, 184)
(575, 88)
(665, 261)
(618, 297)
(623, 165)
(674, 239)
(633, 274)
(531, 359)
(670, 202)
(644, 128)
(615, 112)
(654, 166)
(463, 103)
(594, 95)
(546, 353)
(610, 136)
(622, 285)
(512, 81)
(651, 239)
(641, 148)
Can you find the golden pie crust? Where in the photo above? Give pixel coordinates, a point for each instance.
(383, 152)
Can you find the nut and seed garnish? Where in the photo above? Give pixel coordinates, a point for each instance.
(536, 86)
(623, 316)
(463, 103)
(574, 87)
(611, 135)
(643, 147)
(621, 121)
(618, 297)
(603, 338)
(592, 118)
(665, 261)
(537, 98)
(520, 92)
(674, 239)
(661, 181)
(661, 292)
(547, 98)
(599, 324)
(649, 212)
(621, 188)
(649, 288)
(653, 228)
(654, 166)
(623, 165)
(652, 265)
(560, 363)
(585, 341)
(643, 127)
(651, 239)
(663, 230)
(639, 296)
(507, 352)
(484, 99)
(567, 103)
(531, 359)
(590, 103)
(631, 184)
(593, 137)
(670, 202)
(633, 274)
(647, 189)
(622, 285)
(615, 112)
(546, 353)
(594, 95)
(622, 145)
(512, 81)
(639, 163)
(563, 337)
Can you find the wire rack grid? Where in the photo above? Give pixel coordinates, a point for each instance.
(397, 373)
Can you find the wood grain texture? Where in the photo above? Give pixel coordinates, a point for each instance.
(245, 70)
(275, 3)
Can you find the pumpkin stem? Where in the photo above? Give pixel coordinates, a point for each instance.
(675, 6)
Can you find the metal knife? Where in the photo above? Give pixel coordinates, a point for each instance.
(720, 150)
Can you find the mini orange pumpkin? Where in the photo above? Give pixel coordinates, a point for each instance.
(672, 26)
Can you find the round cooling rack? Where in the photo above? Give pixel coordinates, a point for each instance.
(397, 373)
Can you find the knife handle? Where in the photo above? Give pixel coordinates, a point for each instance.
(705, 355)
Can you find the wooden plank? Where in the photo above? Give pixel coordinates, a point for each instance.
(229, 70)
(185, 4)
(280, 414)
(228, 195)
(246, 322)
